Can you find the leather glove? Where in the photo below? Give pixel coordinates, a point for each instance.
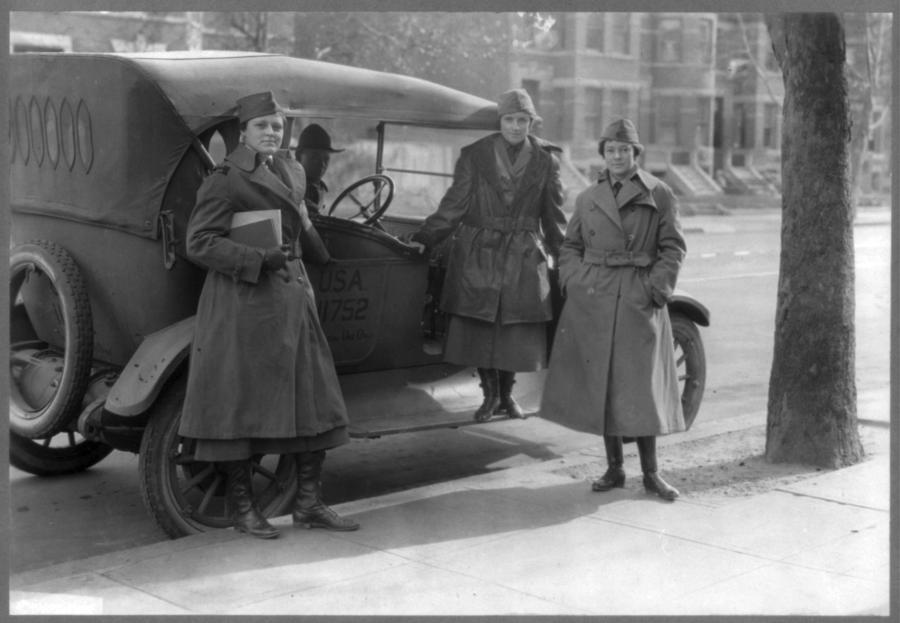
(409, 240)
(275, 258)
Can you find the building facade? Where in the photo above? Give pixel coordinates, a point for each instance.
(704, 88)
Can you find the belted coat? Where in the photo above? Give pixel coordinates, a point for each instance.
(260, 365)
(502, 236)
(612, 369)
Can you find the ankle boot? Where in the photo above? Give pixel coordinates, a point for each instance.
(490, 389)
(508, 404)
(615, 474)
(653, 482)
(239, 491)
(309, 511)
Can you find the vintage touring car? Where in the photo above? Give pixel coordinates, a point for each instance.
(107, 152)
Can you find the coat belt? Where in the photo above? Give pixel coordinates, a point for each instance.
(618, 258)
(502, 223)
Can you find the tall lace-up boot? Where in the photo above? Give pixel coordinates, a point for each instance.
(653, 482)
(309, 510)
(615, 473)
(490, 388)
(508, 404)
(239, 491)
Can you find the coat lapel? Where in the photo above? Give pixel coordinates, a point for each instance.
(533, 174)
(605, 201)
(637, 191)
(628, 192)
(485, 163)
(245, 159)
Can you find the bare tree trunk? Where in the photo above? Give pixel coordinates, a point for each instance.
(812, 389)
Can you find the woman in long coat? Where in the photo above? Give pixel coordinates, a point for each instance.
(613, 371)
(504, 213)
(262, 377)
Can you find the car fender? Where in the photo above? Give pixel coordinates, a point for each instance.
(145, 374)
(684, 303)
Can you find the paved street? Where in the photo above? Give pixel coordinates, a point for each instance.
(732, 268)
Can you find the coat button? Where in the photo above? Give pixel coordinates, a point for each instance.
(590, 291)
(591, 232)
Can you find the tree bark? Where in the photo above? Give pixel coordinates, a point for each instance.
(812, 388)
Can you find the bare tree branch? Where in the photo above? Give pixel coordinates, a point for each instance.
(755, 63)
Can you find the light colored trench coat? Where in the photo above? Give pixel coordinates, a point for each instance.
(260, 364)
(501, 238)
(612, 370)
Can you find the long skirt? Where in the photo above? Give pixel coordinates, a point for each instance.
(520, 347)
(212, 450)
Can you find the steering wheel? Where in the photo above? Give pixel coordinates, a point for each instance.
(374, 201)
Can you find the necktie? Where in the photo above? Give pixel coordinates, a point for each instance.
(616, 187)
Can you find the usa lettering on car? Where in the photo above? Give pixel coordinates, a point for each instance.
(349, 307)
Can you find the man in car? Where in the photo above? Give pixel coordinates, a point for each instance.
(504, 211)
(314, 153)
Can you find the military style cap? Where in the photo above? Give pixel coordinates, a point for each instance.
(623, 131)
(314, 136)
(257, 105)
(516, 100)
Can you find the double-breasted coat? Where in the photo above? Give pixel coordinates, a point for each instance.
(612, 370)
(502, 234)
(260, 364)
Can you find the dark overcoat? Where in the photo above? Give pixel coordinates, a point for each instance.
(612, 370)
(260, 364)
(500, 245)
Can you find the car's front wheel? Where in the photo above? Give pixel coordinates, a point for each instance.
(690, 360)
(186, 496)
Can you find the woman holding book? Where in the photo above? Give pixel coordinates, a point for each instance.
(262, 377)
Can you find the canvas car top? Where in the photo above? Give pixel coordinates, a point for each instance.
(98, 138)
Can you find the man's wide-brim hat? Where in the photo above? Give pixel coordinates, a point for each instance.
(622, 131)
(257, 105)
(314, 136)
(516, 100)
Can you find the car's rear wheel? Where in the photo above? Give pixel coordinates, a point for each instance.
(51, 340)
(68, 451)
(64, 453)
(185, 496)
(690, 360)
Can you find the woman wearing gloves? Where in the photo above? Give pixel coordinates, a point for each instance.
(262, 377)
(504, 214)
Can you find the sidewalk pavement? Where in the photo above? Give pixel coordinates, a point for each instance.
(525, 540)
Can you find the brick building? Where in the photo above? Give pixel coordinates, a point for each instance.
(704, 88)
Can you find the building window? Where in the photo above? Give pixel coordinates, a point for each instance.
(620, 33)
(593, 114)
(563, 30)
(770, 127)
(703, 120)
(741, 134)
(559, 129)
(533, 88)
(669, 42)
(618, 105)
(667, 130)
(704, 41)
(594, 34)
